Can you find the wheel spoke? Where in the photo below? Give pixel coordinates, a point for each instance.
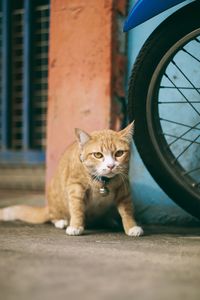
(186, 148)
(176, 102)
(191, 171)
(180, 87)
(184, 50)
(183, 95)
(183, 134)
(185, 76)
(178, 138)
(197, 40)
(181, 124)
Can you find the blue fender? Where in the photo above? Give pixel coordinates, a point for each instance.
(146, 9)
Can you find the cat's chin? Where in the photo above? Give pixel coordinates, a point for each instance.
(109, 175)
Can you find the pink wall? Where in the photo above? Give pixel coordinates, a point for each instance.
(79, 72)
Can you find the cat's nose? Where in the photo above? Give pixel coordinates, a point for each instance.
(110, 166)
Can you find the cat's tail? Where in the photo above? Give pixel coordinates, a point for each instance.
(30, 214)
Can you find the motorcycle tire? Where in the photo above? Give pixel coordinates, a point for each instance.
(144, 106)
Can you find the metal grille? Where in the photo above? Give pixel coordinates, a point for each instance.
(40, 72)
(0, 73)
(16, 107)
(23, 102)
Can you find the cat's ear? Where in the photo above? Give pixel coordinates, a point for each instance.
(128, 132)
(82, 136)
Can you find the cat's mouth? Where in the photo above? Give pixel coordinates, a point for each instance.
(105, 173)
(109, 174)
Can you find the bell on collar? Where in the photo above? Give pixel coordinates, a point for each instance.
(104, 191)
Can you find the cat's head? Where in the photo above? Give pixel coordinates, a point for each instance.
(106, 152)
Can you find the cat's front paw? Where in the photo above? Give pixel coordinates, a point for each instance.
(74, 230)
(135, 231)
(60, 223)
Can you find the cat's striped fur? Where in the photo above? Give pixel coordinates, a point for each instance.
(74, 198)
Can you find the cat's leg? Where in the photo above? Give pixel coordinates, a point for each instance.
(76, 209)
(125, 209)
(60, 223)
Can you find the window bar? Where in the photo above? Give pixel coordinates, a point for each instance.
(27, 74)
(6, 71)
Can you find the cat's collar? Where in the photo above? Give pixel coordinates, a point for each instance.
(101, 179)
(104, 181)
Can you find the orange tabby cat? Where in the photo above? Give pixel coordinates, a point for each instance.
(91, 179)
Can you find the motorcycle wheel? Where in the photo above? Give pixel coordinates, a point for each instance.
(167, 125)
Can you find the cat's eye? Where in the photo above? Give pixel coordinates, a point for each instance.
(119, 153)
(98, 155)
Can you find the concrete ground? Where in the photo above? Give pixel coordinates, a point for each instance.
(42, 262)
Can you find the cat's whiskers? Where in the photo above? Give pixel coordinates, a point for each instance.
(95, 177)
(124, 178)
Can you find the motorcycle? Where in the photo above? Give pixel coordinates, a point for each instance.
(164, 99)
